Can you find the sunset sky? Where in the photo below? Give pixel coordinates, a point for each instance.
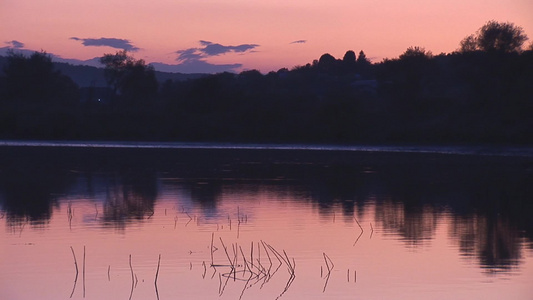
(235, 35)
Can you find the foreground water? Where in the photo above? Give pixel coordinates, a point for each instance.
(264, 223)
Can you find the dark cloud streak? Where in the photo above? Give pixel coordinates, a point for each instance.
(211, 49)
(195, 58)
(108, 42)
(299, 42)
(190, 54)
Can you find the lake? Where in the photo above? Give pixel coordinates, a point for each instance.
(206, 221)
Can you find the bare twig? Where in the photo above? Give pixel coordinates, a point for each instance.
(157, 271)
(360, 234)
(326, 283)
(190, 219)
(358, 223)
(358, 237)
(326, 259)
(211, 248)
(227, 255)
(76, 278)
(330, 268)
(156, 275)
(75, 262)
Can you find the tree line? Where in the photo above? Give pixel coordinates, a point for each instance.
(481, 93)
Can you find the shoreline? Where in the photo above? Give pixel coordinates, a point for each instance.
(481, 150)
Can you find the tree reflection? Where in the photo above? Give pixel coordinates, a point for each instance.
(205, 193)
(487, 206)
(33, 182)
(414, 226)
(29, 191)
(130, 196)
(494, 242)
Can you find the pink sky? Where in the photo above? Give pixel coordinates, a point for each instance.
(159, 28)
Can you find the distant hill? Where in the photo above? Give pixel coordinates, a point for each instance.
(85, 76)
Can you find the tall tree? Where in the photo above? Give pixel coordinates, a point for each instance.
(349, 57)
(362, 60)
(495, 37)
(131, 78)
(349, 62)
(115, 68)
(327, 63)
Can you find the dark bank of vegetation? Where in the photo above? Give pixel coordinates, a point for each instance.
(482, 93)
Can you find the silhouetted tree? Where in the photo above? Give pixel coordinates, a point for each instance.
(115, 68)
(34, 79)
(362, 60)
(254, 75)
(131, 78)
(349, 61)
(495, 36)
(349, 57)
(415, 53)
(408, 76)
(468, 44)
(139, 83)
(363, 64)
(327, 63)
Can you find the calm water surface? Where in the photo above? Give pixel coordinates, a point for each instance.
(225, 223)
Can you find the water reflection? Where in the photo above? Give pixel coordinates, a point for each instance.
(129, 196)
(415, 226)
(487, 200)
(28, 193)
(494, 242)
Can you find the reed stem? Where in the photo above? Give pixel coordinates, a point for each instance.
(76, 278)
(132, 279)
(84, 271)
(157, 271)
(75, 262)
(156, 276)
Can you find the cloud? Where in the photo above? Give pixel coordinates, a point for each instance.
(191, 54)
(109, 42)
(299, 42)
(15, 44)
(194, 59)
(211, 49)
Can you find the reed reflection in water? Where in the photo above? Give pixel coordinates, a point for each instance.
(219, 224)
